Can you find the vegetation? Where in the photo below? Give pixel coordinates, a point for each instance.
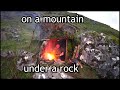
(8, 67)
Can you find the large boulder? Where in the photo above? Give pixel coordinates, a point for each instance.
(100, 54)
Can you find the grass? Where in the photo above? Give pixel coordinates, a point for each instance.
(8, 67)
(88, 73)
(9, 70)
(84, 73)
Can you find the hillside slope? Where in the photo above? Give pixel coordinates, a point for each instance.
(16, 36)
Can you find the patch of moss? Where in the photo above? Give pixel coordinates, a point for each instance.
(115, 39)
(70, 48)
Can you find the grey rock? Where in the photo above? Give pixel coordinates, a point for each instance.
(7, 54)
(3, 54)
(51, 75)
(99, 57)
(25, 60)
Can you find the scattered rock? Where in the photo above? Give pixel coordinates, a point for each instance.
(10, 54)
(7, 54)
(25, 59)
(3, 54)
(51, 75)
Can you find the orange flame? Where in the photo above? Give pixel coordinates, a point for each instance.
(49, 56)
(51, 50)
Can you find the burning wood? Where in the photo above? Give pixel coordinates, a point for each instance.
(49, 56)
(74, 52)
(53, 50)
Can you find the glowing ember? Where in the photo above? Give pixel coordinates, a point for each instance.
(49, 56)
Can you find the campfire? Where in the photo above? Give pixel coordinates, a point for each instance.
(53, 50)
(49, 56)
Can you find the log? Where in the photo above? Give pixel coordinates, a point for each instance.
(77, 52)
(74, 53)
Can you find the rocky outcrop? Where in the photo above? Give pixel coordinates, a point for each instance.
(95, 51)
(47, 29)
(100, 54)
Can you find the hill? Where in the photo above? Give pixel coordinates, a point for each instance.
(16, 36)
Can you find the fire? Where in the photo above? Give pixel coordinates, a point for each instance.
(52, 50)
(50, 56)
